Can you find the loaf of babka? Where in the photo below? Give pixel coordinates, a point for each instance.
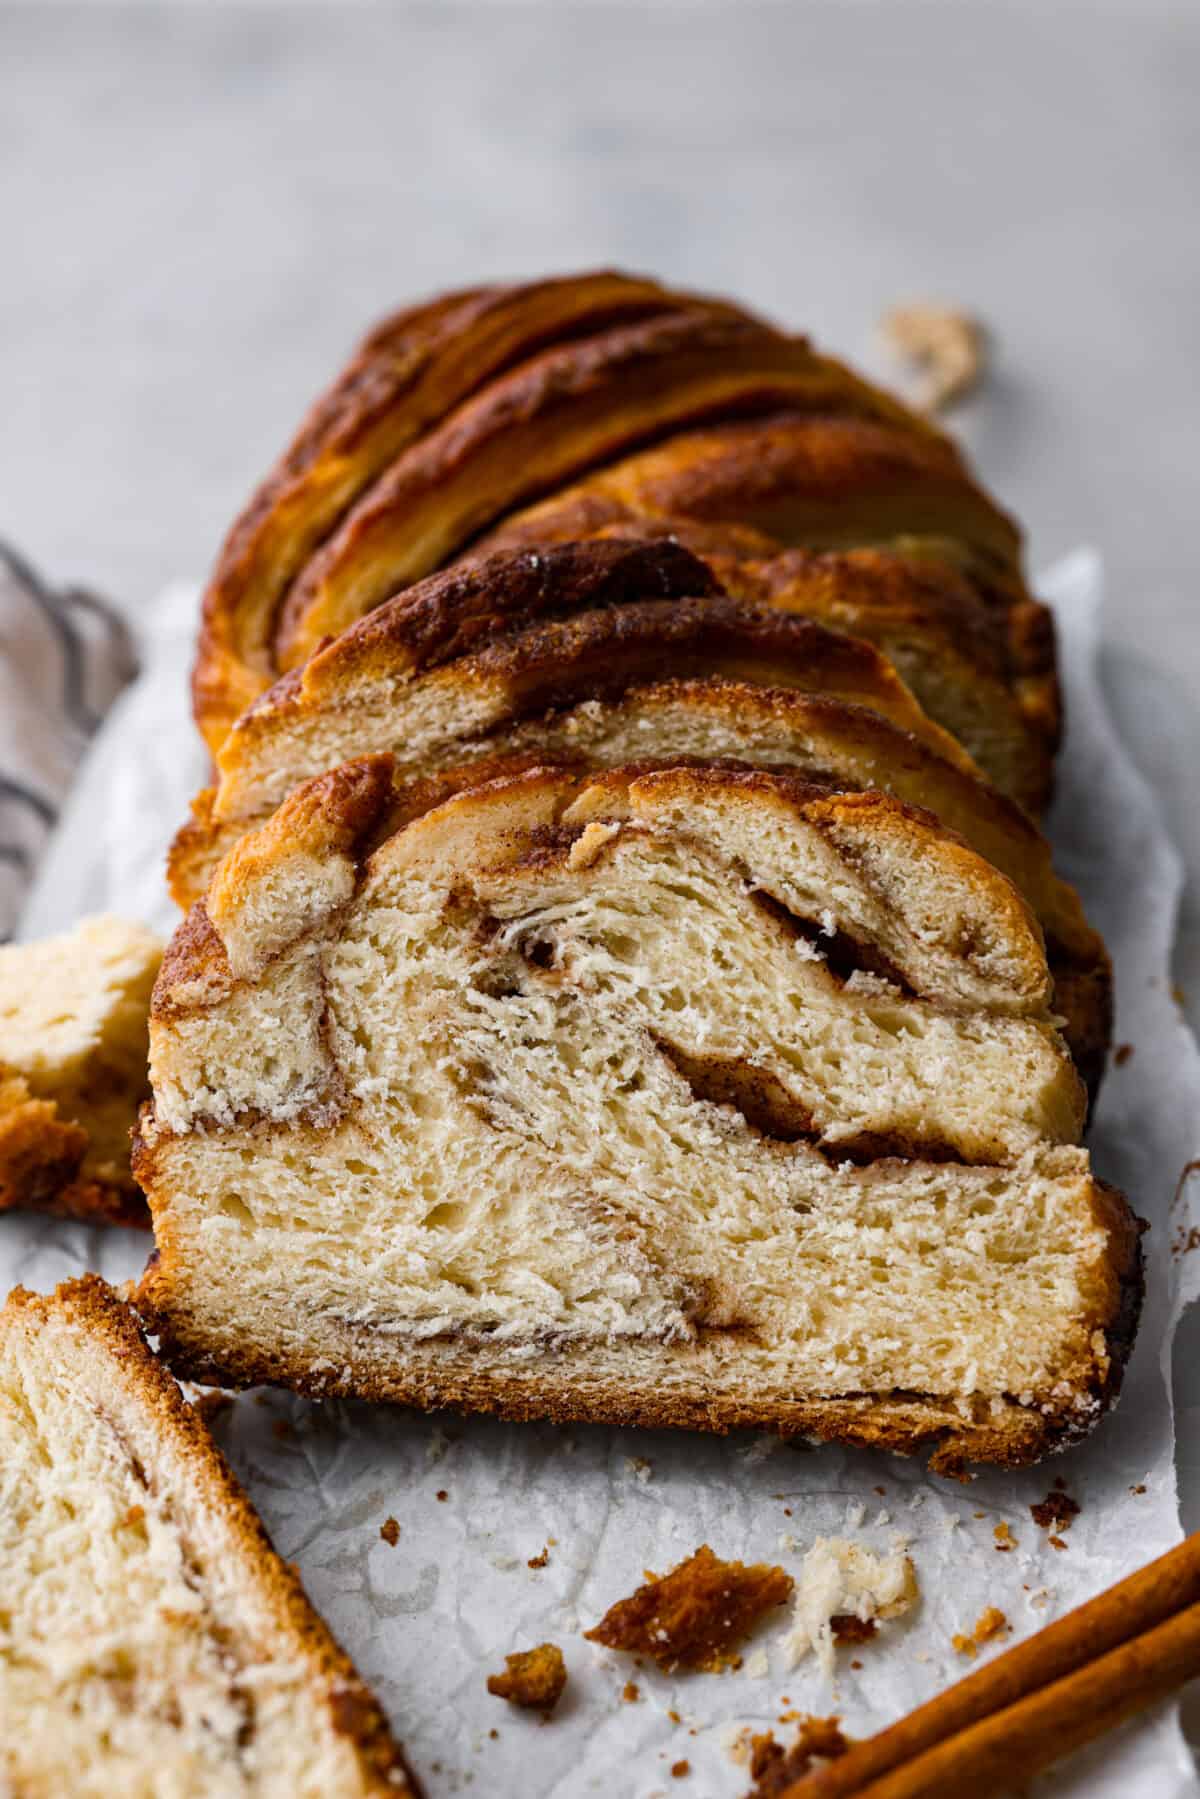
(73, 1034)
(698, 1095)
(151, 1641)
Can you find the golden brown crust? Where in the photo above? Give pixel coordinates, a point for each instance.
(411, 370)
(483, 599)
(559, 414)
(90, 1306)
(801, 479)
(1005, 1433)
(856, 523)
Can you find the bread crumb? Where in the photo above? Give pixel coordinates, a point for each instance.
(990, 1622)
(847, 1628)
(532, 1678)
(588, 845)
(1004, 1538)
(389, 1530)
(631, 1692)
(639, 1467)
(680, 1770)
(1122, 1054)
(693, 1616)
(1056, 1511)
(442, 1495)
(945, 348)
(1140, 1488)
(773, 1768)
(540, 1560)
(840, 1580)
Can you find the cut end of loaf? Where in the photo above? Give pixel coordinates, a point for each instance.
(624, 1097)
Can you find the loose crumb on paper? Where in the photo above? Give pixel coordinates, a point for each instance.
(694, 1616)
(1004, 1539)
(532, 1678)
(773, 1768)
(389, 1530)
(842, 1581)
(990, 1623)
(1056, 1512)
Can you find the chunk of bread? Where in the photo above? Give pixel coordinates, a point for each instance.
(73, 1039)
(151, 1641)
(695, 1096)
(602, 652)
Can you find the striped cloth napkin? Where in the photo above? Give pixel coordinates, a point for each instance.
(64, 658)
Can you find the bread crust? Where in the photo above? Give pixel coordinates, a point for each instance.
(559, 414)
(859, 525)
(89, 1307)
(436, 1377)
(409, 371)
(455, 410)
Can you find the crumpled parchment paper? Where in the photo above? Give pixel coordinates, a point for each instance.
(428, 1619)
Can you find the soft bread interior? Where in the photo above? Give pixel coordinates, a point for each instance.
(145, 1646)
(697, 1085)
(73, 1025)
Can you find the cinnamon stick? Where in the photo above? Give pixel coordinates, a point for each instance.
(1151, 1612)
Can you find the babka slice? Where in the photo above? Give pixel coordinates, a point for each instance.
(73, 1036)
(598, 652)
(692, 1096)
(151, 1641)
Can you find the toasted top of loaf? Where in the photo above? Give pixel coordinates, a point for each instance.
(821, 480)
(456, 412)
(151, 1641)
(865, 527)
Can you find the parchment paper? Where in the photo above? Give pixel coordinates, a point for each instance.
(428, 1619)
